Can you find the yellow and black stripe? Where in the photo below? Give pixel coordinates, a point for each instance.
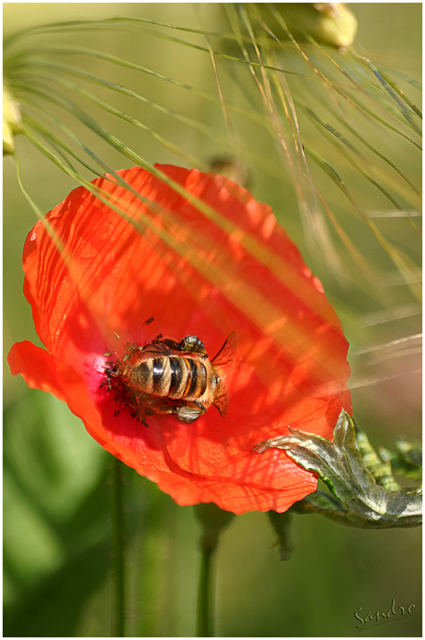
(175, 377)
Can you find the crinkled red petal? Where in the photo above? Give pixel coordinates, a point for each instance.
(197, 270)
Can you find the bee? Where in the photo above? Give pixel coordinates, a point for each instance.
(170, 377)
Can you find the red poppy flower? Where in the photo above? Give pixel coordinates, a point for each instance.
(205, 261)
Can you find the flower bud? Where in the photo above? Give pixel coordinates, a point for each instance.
(331, 23)
(11, 121)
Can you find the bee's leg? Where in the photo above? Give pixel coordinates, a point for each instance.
(158, 346)
(171, 344)
(114, 370)
(163, 348)
(163, 408)
(189, 412)
(149, 405)
(155, 350)
(109, 373)
(157, 339)
(140, 414)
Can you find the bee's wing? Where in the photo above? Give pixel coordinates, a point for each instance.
(226, 354)
(221, 398)
(220, 363)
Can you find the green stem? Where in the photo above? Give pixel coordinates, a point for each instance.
(118, 533)
(204, 622)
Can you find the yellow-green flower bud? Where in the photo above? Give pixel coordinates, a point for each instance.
(11, 121)
(336, 25)
(330, 23)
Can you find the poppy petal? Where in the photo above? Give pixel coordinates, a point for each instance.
(206, 260)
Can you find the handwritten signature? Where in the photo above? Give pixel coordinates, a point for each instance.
(370, 618)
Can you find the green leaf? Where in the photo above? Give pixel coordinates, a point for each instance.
(362, 501)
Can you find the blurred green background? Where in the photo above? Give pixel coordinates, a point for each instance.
(57, 480)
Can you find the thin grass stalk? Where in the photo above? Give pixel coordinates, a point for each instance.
(354, 102)
(313, 220)
(401, 262)
(371, 148)
(245, 150)
(399, 102)
(69, 25)
(135, 122)
(192, 124)
(36, 209)
(54, 140)
(404, 265)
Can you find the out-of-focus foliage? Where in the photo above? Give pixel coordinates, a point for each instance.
(332, 146)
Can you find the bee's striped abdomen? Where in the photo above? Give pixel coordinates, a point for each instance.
(160, 376)
(175, 377)
(198, 372)
(190, 378)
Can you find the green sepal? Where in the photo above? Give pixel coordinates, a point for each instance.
(361, 501)
(323, 504)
